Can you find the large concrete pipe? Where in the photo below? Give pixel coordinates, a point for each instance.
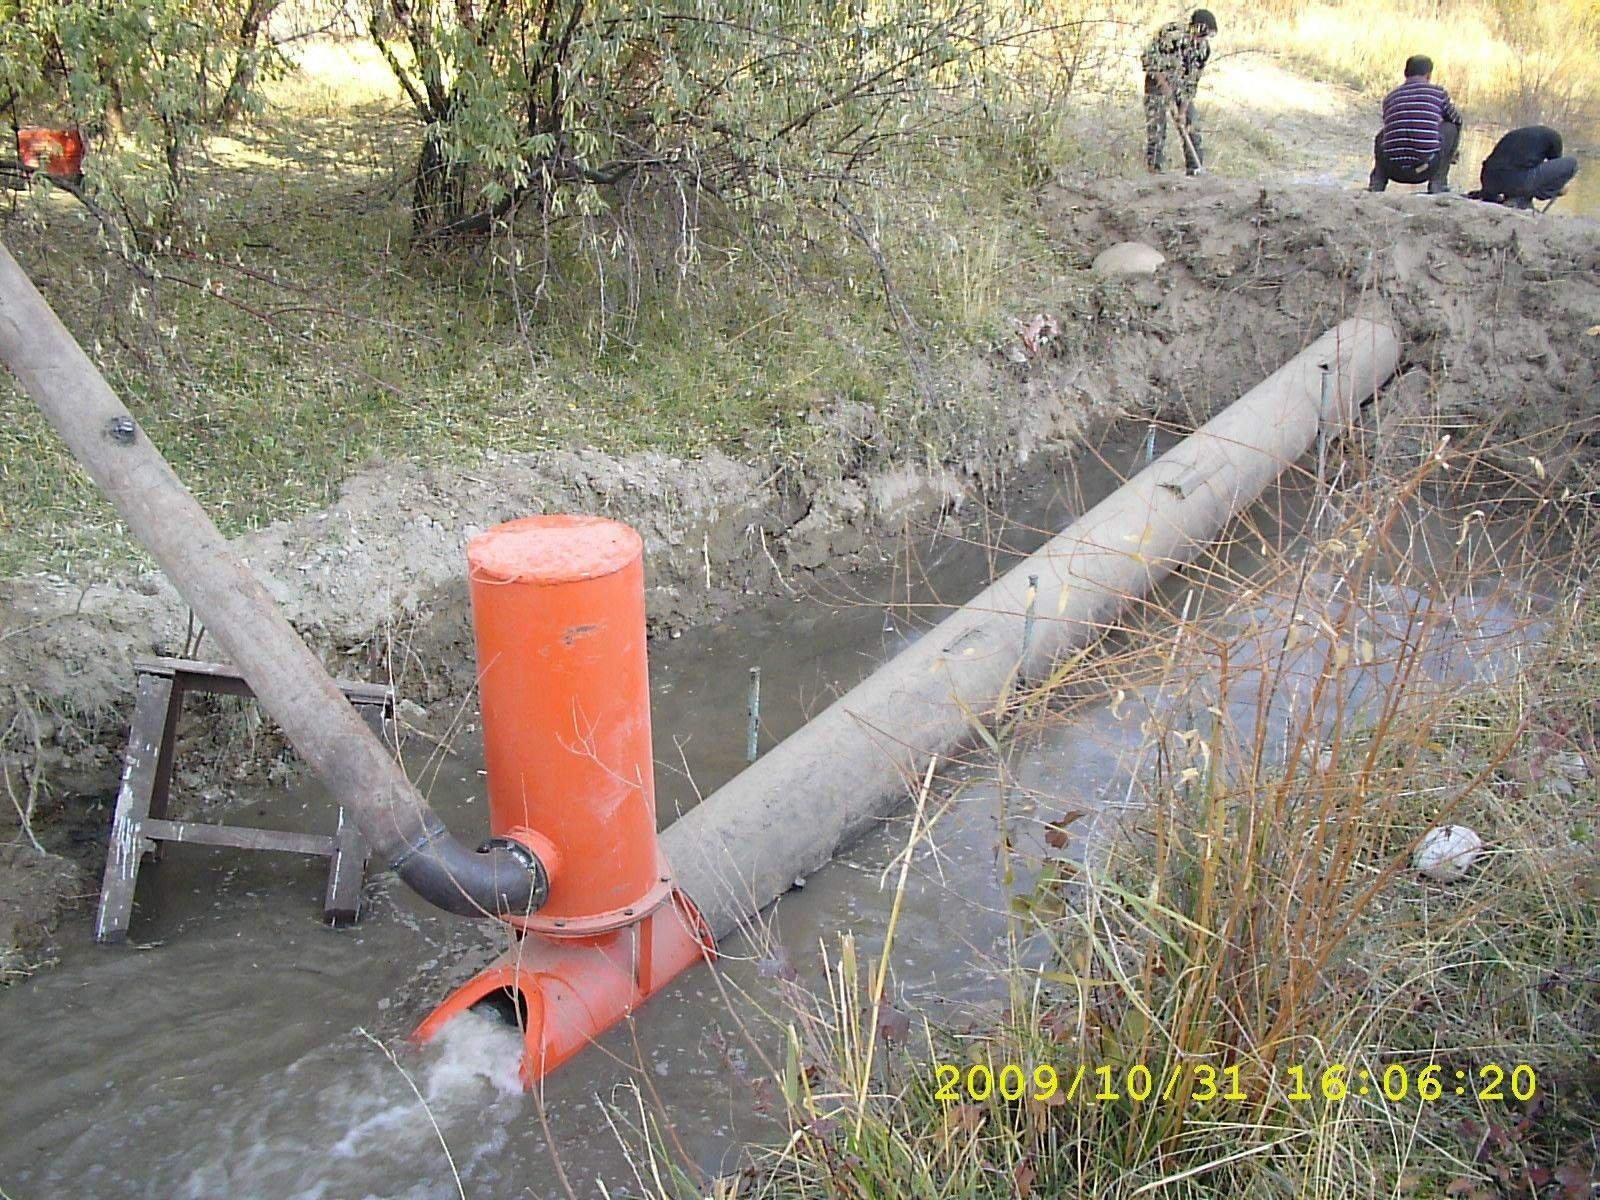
(791, 811)
(506, 877)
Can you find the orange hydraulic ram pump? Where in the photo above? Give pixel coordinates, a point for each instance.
(558, 611)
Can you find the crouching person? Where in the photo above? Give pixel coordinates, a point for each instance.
(1524, 166)
(1420, 134)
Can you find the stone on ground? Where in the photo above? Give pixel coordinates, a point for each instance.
(1128, 258)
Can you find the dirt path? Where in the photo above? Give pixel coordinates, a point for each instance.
(1320, 133)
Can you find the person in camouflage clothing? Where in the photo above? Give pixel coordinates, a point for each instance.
(1172, 64)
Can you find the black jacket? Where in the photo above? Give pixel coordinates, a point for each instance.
(1522, 150)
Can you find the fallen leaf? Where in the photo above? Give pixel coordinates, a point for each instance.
(1055, 834)
(821, 1128)
(964, 1117)
(1577, 1180)
(893, 1025)
(1503, 1138)
(1411, 1182)
(1059, 1025)
(1022, 1177)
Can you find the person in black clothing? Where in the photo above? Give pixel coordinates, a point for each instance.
(1524, 166)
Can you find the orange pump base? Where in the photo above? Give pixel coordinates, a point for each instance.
(58, 152)
(566, 992)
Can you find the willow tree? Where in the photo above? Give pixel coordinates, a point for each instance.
(554, 101)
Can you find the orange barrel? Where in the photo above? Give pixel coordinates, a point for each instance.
(558, 612)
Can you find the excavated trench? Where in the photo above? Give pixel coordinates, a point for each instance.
(223, 1050)
(230, 1047)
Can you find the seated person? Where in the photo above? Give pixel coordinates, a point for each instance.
(1524, 166)
(1421, 130)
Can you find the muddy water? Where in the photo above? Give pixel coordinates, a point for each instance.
(234, 1049)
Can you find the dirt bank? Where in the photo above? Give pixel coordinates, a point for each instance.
(1494, 307)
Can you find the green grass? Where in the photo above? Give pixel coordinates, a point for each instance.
(347, 346)
(333, 344)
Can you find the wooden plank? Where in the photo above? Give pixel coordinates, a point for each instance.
(161, 785)
(375, 715)
(239, 838)
(153, 697)
(347, 868)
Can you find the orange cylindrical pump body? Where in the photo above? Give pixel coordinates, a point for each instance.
(558, 608)
(558, 613)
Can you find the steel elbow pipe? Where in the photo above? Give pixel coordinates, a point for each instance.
(502, 878)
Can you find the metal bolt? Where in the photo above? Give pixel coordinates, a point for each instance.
(1322, 444)
(627, 912)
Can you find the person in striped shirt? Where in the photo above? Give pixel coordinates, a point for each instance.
(1421, 130)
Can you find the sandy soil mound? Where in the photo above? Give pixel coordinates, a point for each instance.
(36, 887)
(1495, 307)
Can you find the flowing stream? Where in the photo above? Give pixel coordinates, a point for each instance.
(237, 1047)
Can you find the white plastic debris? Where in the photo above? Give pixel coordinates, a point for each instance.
(1128, 258)
(1447, 853)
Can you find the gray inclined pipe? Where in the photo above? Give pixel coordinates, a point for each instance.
(860, 759)
(293, 687)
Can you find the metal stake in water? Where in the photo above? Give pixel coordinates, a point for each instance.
(1322, 442)
(752, 735)
(1027, 617)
